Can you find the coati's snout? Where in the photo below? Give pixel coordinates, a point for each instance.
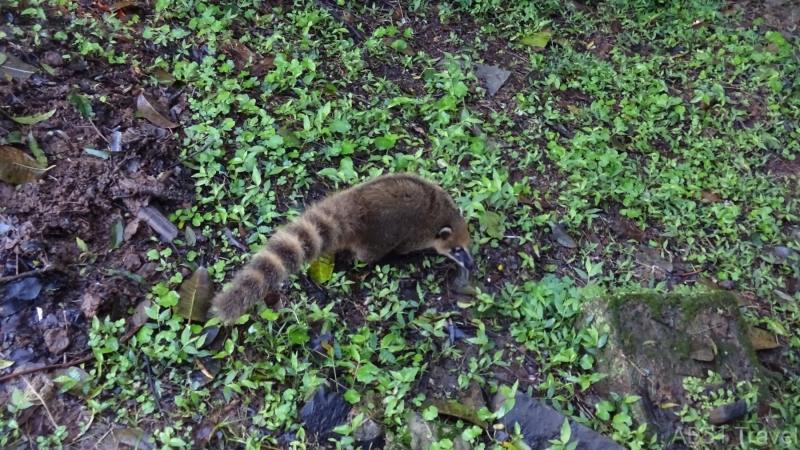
(463, 258)
(453, 243)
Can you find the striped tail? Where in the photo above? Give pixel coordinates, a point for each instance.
(287, 250)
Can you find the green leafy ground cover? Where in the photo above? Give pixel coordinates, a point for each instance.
(662, 130)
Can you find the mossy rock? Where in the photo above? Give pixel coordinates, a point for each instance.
(655, 341)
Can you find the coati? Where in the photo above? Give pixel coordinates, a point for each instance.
(397, 213)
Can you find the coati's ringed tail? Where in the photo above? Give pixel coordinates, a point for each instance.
(397, 213)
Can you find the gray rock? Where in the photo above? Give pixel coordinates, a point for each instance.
(727, 413)
(494, 77)
(324, 412)
(540, 423)
(423, 433)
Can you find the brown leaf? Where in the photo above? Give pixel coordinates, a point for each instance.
(130, 229)
(208, 368)
(126, 438)
(710, 196)
(138, 318)
(13, 67)
(241, 54)
(154, 111)
(762, 339)
(262, 68)
(90, 304)
(702, 351)
(120, 5)
(195, 296)
(164, 77)
(616, 27)
(17, 167)
(626, 229)
(57, 340)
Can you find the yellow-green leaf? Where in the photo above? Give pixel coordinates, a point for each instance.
(762, 339)
(17, 167)
(538, 40)
(321, 269)
(195, 296)
(36, 149)
(30, 120)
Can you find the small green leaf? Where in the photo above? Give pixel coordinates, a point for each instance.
(15, 137)
(269, 315)
(340, 126)
(494, 224)
(566, 432)
(37, 151)
(191, 237)
(537, 40)
(430, 413)
(116, 234)
(352, 396)
(30, 120)
(298, 336)
(81, 245)
(81, 104)
(385, 142)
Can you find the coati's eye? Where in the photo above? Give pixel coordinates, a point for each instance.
(444, 233)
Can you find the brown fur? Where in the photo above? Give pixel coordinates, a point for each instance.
(397, 213)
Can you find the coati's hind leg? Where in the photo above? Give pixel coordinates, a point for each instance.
(371, 255)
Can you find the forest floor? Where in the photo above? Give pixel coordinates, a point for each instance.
(594, 147)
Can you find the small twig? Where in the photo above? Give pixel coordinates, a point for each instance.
(151, 383)
(50, 367)
(181, 161)
(695, 272)
(357, 35)
(116, 169)
(32, 273)
(99, 133)
(44, 403)
(125, 338)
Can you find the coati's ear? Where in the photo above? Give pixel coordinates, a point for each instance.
(444, 233)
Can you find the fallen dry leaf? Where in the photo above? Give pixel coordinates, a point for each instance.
(57, 340)
(120, 5)
(13, 67)
(762, 339)
(195, 296)
(17, 167)
(154, 111)
(164, 77)
(710, 196)
(90, 304)
(130, 229)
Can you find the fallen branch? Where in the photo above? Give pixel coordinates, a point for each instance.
(32, 273)
(357, 35)
(125, 338)
(54, 366)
